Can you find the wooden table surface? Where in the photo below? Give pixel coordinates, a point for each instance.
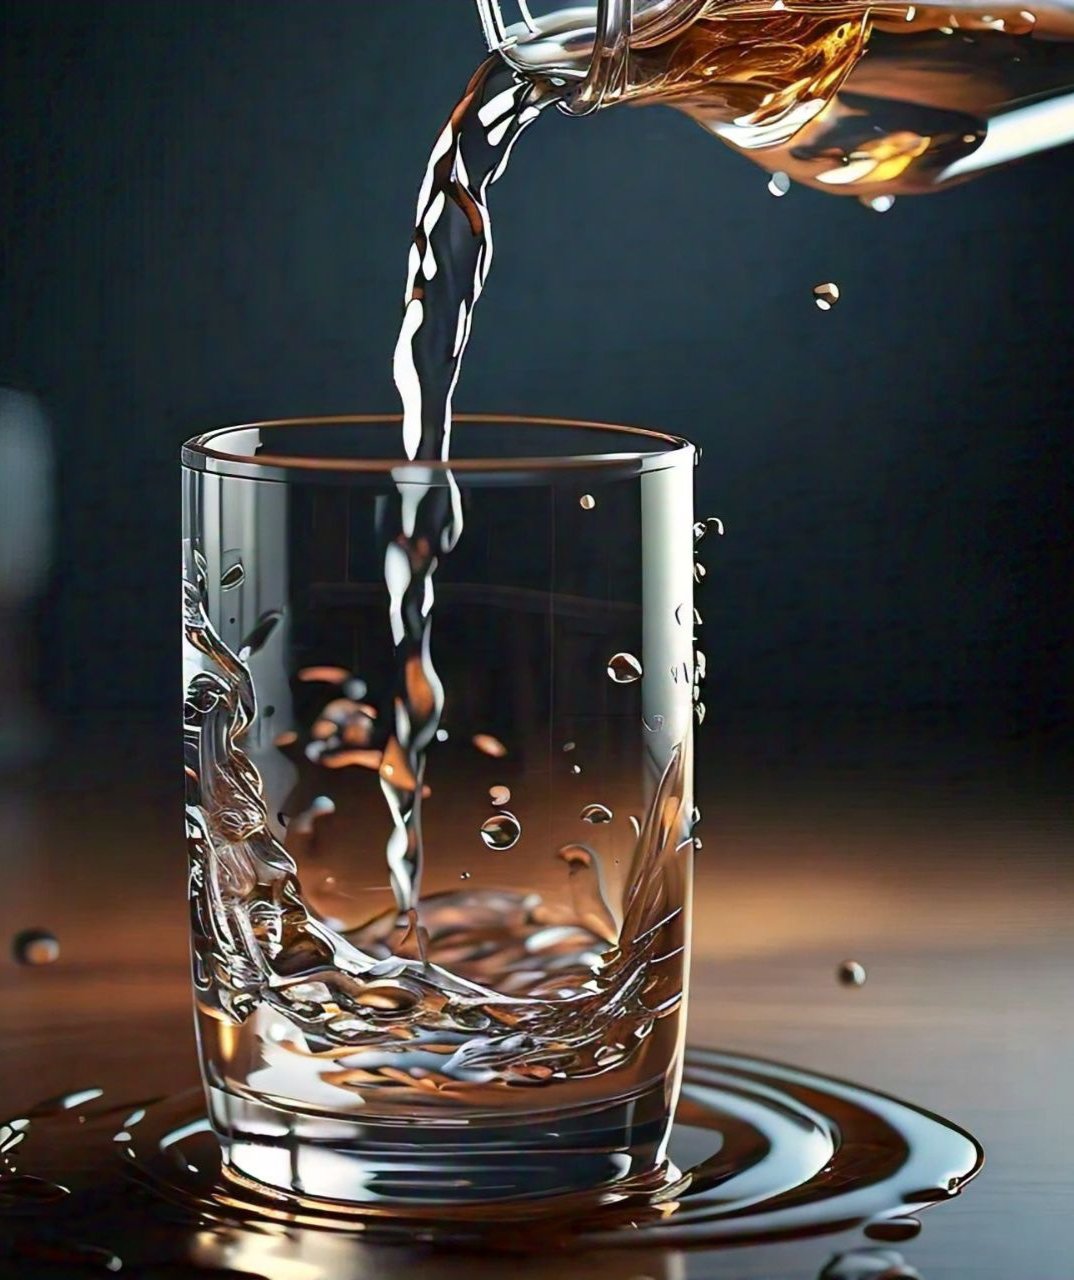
(957, 898)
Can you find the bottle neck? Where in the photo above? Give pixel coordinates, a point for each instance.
(584, 51)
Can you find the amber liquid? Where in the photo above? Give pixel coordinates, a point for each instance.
(861, 101)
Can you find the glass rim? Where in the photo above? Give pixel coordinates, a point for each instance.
(201, 452)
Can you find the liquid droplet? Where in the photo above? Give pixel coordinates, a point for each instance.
(624, 668)
(442, 735)
(826, 295)
(464, 875)
(894, 1230)
(258, 637)
(35, 947)
(699, 572)
(878, 204)
(500, 795)
(702, 527)
(851, 974)
(501, 831)
(568, 746)
(587, 502)
(489, 745)
(700, 712)
(576, 769)
(635, 824)
(233, 577)
(779, 183)
(869, 1264)
(597, 814)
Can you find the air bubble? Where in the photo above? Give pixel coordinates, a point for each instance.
(826, 295)
(624, 668)
(851, 974)
(233, 577)
(597, 814)
(501, 831)
(500, 796)
(779, 183)
(587, 502)
(35, 947)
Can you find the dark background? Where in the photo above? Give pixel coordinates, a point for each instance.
(205, 217)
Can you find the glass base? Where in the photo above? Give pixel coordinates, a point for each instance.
(414, 1164)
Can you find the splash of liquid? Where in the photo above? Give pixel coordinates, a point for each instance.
(768, 1153)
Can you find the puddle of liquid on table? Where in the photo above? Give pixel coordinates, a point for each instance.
(769, 1153)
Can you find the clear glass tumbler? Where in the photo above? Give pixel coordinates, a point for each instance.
(438, 733)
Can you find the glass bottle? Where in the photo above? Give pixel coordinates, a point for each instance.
(944, 94)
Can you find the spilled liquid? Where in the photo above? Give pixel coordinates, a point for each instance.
(765, 1153)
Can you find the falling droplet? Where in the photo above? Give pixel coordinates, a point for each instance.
(569, 746)
(587, 502)
(442, 735)
(635, 824)
(779, 183)
(258, 637)
(699, 572)
(233, 577)
(500, 795)
(501, 831)
(878, 204)
(699, 711)
(869, 1264)
(893, 1230)
(597, 814)
(703, 527)
(624, 668)
(851, 974)
(826, 295)
(701, 665)
(35, 947)
(489, 745)
(576, 769)
(465, 875)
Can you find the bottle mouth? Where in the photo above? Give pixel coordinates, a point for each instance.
(584, 47)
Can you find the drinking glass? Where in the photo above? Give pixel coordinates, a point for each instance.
(438, 735)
